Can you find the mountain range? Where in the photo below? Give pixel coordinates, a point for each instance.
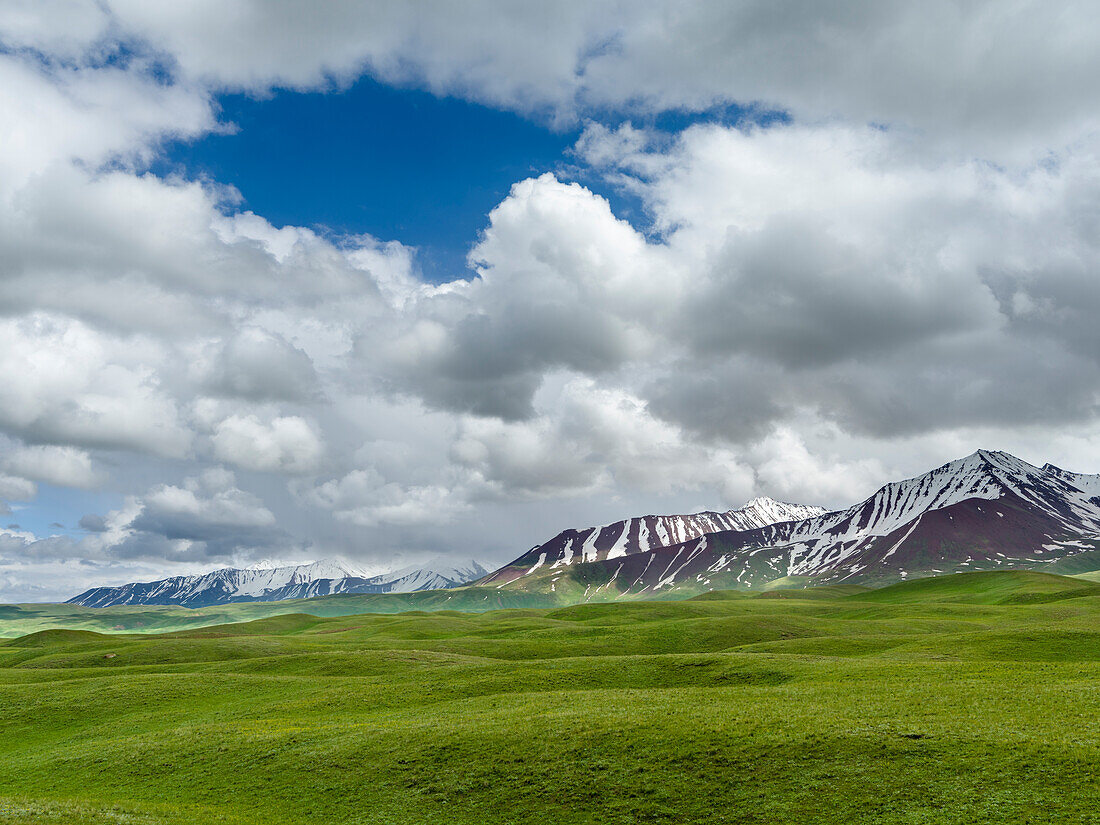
(986, 511)
(640, 535)
(268, 583)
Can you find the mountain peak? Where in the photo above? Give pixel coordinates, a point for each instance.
(265, 564)
(303, 570)
(993, 458)
(764, 510)
(759, 501)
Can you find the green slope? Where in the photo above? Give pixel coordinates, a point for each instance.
(959, 701)
(994, 587)
(19, 619)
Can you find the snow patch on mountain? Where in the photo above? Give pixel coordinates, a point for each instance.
(762, 511)
(438, 574)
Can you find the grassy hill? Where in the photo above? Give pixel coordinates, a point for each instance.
(994, 587)
(965, 699)
(20, 619)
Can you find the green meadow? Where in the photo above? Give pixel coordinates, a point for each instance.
(972, 698)
(21, 619)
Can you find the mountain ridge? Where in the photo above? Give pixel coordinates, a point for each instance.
(987, 510)
(264, 582)
(620, 538)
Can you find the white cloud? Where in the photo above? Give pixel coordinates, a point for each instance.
(63, 466)
(590, 440)
(170, 530)
(14, 488)
(59, 27)
(785, 464)
(74, 384)
(563, 284)
(257, 365)
(989, 75)
(283, 444)
(364, 498)
(811, 267)
(56, 114)
(209, 501)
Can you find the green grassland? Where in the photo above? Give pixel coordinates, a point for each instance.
(21, 619)
(972, 698)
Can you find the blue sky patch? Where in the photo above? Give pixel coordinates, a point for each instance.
(396, 163)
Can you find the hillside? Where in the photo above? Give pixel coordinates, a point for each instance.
(18, 619)
(903, 704)
(999, 587)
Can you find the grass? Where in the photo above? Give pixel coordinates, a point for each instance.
(20, 619)
(969, 699)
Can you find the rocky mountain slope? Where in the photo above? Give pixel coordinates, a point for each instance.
(269, 583)
(641, 534)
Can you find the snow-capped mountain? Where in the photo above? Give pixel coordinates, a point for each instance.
(985, 511)
(267, 583)
(639, 535)
(437, 575)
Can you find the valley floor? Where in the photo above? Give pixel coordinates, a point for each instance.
(969, 699)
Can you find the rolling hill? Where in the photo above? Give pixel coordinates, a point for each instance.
(830, 705)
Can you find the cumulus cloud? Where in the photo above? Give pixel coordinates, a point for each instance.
(364, 498)
(784, 463)
(14, 488)
(995, 76)
(285, 444)
(171, 529)
(60, 108)
(204, 508)
(828, 269)
(258, 365)
(79, 386)
(590, 440)
(93, 523)
(584, 441)
(205, 518)
(558, 288)
(63, 466)
(799, 268)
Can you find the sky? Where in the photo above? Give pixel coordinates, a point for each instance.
(389, 282)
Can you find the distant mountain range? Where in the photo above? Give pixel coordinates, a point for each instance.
(986, 511)
(268, 583)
